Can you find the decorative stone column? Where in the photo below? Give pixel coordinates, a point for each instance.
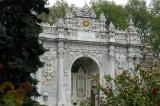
(112, 60)
(102, 25)
(133, 35)
(60, 70)
(111, 48)
(130, 59)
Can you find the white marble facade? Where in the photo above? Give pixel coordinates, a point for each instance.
(81, 37)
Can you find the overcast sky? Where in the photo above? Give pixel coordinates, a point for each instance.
(81, 3)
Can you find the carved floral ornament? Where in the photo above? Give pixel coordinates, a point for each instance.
(84, 53)
(61, 51)
(48, 70)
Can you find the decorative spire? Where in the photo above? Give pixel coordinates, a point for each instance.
(85, 2)
(102, 17)
(131, 22)
(68, 14)
(111, 27)
(131, 27)
(85, 8)
(93, 14)
(60, 23)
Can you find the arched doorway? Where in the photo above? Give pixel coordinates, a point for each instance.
(82, 72)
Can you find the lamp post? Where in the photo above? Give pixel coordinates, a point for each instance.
(45, 97)
(93, 93)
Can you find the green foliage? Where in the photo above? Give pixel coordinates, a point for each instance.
(141, 16)
(57, 11)
(155, 4)
(114, 13)
(86, 102)
(11, 96)
(19, 46)
(130, 89)
(155, 34)
(155, 26)
(9, 100)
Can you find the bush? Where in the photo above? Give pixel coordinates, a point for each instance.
(138, 88)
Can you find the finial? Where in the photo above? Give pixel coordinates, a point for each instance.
(85, 2)
(86, 5)
(93, 14)
(102, 17)
(68, 13)
(131, 26)
(131, 22)
(111, 27)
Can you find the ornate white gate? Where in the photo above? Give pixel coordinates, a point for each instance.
(82, 34)
(81, 84)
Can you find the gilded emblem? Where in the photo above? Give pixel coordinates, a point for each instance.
(86, 23)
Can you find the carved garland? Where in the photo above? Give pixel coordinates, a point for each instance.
(48, 70)
(73, 55)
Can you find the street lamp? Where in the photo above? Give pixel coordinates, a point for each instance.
(93, 93)
(45, 97)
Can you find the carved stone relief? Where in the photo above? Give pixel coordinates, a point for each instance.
(121, 60)
(49, 69)
(85, 36)
(76, 50)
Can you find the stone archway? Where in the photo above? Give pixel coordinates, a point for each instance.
(81, 85)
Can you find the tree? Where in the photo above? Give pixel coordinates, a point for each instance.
(19, 46)
(155, 26)
(114, 13)
(155, 5)
(141, 16)
(155, 34)
(57, 11)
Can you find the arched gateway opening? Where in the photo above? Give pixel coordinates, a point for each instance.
(83, 69)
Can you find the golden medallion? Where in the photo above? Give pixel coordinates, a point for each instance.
(86, 23)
